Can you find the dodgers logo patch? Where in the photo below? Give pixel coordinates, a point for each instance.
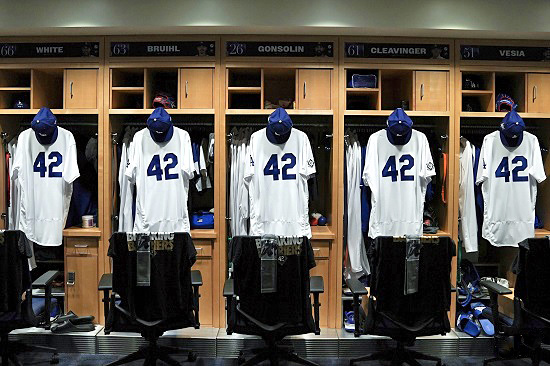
(310, 163)
(430, 166)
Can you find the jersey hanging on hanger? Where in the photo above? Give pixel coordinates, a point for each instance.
(161, 173)
(397, 176)
(45, 174)
(276, 175)
(509, 176)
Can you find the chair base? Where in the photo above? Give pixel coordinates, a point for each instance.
(153, 352)
(10, 350)
(274, 353)
(536, 357)
(398, 356)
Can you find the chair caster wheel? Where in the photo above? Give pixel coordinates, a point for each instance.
(55, 359)
(191, 357)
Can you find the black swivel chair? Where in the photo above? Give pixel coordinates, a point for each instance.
(150, 330)
(10, 321)
(272, 335)
(530, 325)
(400, 323)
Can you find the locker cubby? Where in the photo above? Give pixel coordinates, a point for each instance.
(127, 99)
(244, 100)
(474, 130)
(481, 98)
(279, 88)
(127, 77)
(161, 81)
(47, 88)
(513, 85)
(319, 130)
(15, 78)
(8, 98)
(237, 77)
(362, 98)
(396, 88)
(436, 130)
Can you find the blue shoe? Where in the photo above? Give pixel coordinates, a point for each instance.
(349, 322)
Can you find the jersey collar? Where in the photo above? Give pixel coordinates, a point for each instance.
(47, 139)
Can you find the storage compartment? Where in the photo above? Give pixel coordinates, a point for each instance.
(361, 72)
(538, 93)
(431, 91)
(397, 89)
(279, 88)
(197, 88)
(513, 85)
(81, 285)
(321, 250)
(81, 88)
(478, 81)
(244, 77)
(161, 81)
(15, 78)
(127, 77)
(314, 89)
(47, 88)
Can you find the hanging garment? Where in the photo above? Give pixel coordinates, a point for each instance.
(466, 198)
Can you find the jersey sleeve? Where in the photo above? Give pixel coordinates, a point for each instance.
(70, 171)
(307, 168)
(482, 167)
(428, 169)
(371, 156)
(132, 163)
(249, 162)
(537, 167)
(187, 164)
(16, 165)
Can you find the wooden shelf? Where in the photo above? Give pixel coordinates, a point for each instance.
(477, 92)
(245, 89)
(541, 233)
(502, 114)
(303, 112)
(373, 112)
(54, 111)
(78, 231)
(129, 89)
(322, 232)
(363, 90)
(203, 234)
(17, 88)
(170, 111)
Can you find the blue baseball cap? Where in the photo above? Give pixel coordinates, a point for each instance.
(279, 126)
(44, 125)
(160, 125)
(399, 123)
(512, 124)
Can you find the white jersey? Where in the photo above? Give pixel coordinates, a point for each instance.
(509, 176)
(466, 197)
(397, 176)
(161, 174)
(277, 176)
(45, 174)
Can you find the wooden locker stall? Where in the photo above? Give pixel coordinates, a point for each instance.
(519, 69)
(260, 73)
(186, 69)
(63, 74)
(418, 76)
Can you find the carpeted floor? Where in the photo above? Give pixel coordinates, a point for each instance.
(68, 359)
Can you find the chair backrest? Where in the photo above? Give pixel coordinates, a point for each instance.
(533, 275)
(169, 295)
(291, 303)
(423, 312)
(15, 278)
